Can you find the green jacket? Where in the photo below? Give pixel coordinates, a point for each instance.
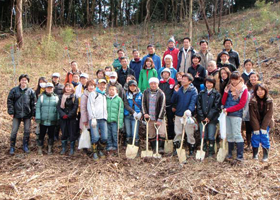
(144, 80)
(115, 110)
(117, 64)
(46, 112)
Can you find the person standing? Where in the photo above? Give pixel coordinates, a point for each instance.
(74, 69)
(169, 65)
(117, 62)
(148, 71)
(225, 62)
(185, 56)
(21, 107)
(124, 71)
(205, 54)
(197, 71)
(135, 64)
(233, 55)
(153, 55)
(171, 50)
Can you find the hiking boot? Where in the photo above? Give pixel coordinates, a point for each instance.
(12, 148)
(25, 145)
(161, 145)
(205, 145)
(153, 144)
(64, 144)
(240, 149)
(40, 151)
(94, 149)
(191, 149)
(176, 146)
(211, 148)
(265, 154)
(230, 149)
(72, 148)
(255, 153)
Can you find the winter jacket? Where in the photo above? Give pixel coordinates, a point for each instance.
(58, 89)
(129, 106)
(117, 64)
(208, 105)
(156, 60)
(215, 74)
(233, 58)
(230, 66)
(255, 117)
(160, 103)
(168, 88)
(233, 106)
(46, 109)
(144, 79)
(122, 75)
(97, 106)
(136, 67)
(21, 103)
(119, 87)
(172, 70)
(115, 110)
(245, 76)
(205, 58)
(69, 76)
(185, 61)
(223, 84)
(174, 53)
(184, 100)
(197, 80)
(83, 110)
(71, 107)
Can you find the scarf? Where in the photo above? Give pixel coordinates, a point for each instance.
(100, 92)
(236, 89)
(136, 59)
(75, 84)
(63, 99)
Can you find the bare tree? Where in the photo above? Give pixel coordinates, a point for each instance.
(221, 10)
(190, 18)
(19, 23)
(49, 20)
(215, 15)
(147, 18)
(202, 7)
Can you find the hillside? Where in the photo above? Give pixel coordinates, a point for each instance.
(57, 177)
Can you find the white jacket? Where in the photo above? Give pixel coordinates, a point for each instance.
(97, 106)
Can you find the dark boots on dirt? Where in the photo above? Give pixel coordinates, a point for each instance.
(64, 144)
(255, 153)
(265, 154)
(12, 147)
(176, 146)
(230, 149)
(95, 153)
(161, 145)
(50, 146)
(211, 148)
(153, 143)
(240, 150)
(191, 149)
(72, 148)
(205, 145)
(25, 145)
(101, 148)
(128, 141)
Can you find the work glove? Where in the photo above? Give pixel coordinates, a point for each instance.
(187, 113)
(139, 115)
(93, 123)
(263, 131)
(256, 132)
(65, 117)
(135, 115)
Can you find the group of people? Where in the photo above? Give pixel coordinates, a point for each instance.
(176, 93)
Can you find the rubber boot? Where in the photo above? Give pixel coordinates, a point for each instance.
(161, 145)
(205, 145)
(176, 146)
(153, 144)
(211, 148)
(94, 150)
(128, 141)
(40, 151)
(64, 144)
(137, 142)
(72, 148)
(255, 153)
(101, 147)
(50, 146)
(191, 149)
(240, 150)
(265, 154)
(230, 149)
(12, 147)
(25, 145)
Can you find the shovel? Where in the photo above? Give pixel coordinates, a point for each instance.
(182, 152)
(216, 144)
(157, 155)
(168, 144)
(147, 153)
(222, 152)
(132, 150)
(200, 155)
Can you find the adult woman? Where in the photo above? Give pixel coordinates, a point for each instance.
(67, 109)
(224, 75)
(100, 74)
(42, 81)
(179, 76)
(146, 73)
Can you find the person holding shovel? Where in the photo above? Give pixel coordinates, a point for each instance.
(208, 109)
(153, 108)
(183, 105)
(234, 100)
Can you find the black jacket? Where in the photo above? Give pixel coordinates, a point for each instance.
(58, 89)
(230, 66)
(202, 74)
(160, 103)
(122, 75)
(71, 106)
(168, 89)
(21, 103)
(208, 105)
(233, 58)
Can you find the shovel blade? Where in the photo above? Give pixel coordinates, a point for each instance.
(157, 155)
(181, 155)
(200, 155)
(221, 155)
(131, 151)
(146, 154)
(168, 146)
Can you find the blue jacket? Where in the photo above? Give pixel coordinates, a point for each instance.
(137, 98)
(136, 66)
(156, 60)
(183, 101)
(232, 102)
(173, 73)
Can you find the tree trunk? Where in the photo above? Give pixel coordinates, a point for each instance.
(49, 20)
(190, 18)
(214, 14)
(62, 12)
(181, 10)
(19, 23)
(88, 13)
(100, 11)
(202, 7)
(221, 10)
(147, 18)
(92, 11)
(69, 11)
(165, 11)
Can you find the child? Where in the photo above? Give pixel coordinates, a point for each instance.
(128, 78)
(115, 110)
(234, 100)
(261, 113)
(248, 65)
(208, 108)
(225, 61)
(146, 73)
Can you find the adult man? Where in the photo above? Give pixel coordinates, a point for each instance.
(153, 108)
(21, 107)
(185, 55)
(113, 81)
(233, 55)
(124, 71)
(225, 62)
(152, 54)
(169, 65)
(117, 62)
(74, 69)
(171, 50)
(205, 54)
(135, 64)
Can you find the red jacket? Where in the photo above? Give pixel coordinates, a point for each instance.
(174, 54)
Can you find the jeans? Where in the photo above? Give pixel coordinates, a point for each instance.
(43, 131)
(129, 122)
(233, 126)
(94, 132)
(261, 138)
(210, 131)
(112, 142)
(16, 124)
(170, 122)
